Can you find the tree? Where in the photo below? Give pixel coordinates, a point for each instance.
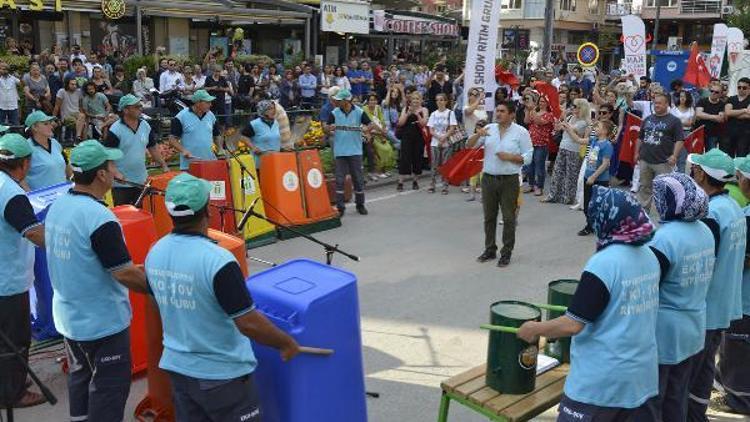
(741, 16)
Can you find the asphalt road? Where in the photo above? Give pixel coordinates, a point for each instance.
(422, 295)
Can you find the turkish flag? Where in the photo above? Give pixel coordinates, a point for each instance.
(695, 141)
(629, 138)
(462, 165)
(696, 72)
(506, 77)
(553, 98)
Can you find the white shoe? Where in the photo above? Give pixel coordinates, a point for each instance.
(383, 176)
(576, 207)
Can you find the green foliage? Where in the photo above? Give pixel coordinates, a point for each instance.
(133, 63)
(294, 60)
(608, 39)
(16, 64)
(326, 158)
(253, 59)
(741, 16)
(454, 60)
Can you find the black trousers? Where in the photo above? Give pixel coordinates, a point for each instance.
(587, 198)
(702, 377)
(125, 196)
(574, 411)
(99, 377)
(15, 323)
(199, 400)
(733, 371)
(674, 383)
(411, 156)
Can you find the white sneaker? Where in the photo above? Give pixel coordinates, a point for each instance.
(576, 207)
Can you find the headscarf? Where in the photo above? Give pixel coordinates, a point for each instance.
(678, 197)
(264, 106)
(617, 217)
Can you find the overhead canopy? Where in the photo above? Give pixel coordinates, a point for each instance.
(221, 9)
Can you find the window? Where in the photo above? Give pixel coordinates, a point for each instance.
(663, 3)
(593, 7)
(510, 4)
(568, 5)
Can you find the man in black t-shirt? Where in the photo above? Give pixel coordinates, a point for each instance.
(709, 112)
(737, 112)
(218, 86)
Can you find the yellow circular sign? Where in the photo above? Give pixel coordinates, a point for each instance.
(113, 9)
(588, 54)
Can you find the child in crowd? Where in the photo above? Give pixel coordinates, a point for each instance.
(442, 124)
(597, 164)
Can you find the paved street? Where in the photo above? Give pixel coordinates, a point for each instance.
(422, 295)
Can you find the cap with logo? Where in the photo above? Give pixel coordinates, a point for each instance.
(127, 101)
(202, 95)
(742, 164)
(343, 95)
(37, 116)
(91, 154)
(186, 195)
(716, 163)
(14, 146)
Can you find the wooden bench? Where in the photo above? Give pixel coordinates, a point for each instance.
(470, 389)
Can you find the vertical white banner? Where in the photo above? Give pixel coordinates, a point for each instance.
(735, 45)
(634, 45)
(482, 50)
(718, 45)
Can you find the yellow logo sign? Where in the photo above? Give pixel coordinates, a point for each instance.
(329, 18)
(113, 9)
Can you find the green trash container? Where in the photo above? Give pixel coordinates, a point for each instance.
(560, 292)
(511, 362)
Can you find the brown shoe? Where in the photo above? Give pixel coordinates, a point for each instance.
(29, 399)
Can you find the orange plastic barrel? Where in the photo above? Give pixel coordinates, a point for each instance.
(140, 234)
(217, 172)
(315, 191)
(157, 405)
(280, 185)
(155, 203)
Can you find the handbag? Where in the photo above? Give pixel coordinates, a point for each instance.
(458, 136)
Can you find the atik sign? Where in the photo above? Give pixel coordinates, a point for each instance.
(383, 24)
(34, 5)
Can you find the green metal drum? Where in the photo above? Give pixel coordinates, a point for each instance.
(560, 292)
(511, 362)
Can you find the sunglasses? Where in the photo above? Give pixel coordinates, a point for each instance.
(604, 112)
(743, 87)
(716, 92)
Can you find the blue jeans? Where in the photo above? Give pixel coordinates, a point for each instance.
(9, 116)
(535, 172)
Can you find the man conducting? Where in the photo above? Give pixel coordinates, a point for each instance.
(507, 147)
(132, 135)
(19, 232)
(195, 127)
(711, 171)
(207, 314)
(91, 271)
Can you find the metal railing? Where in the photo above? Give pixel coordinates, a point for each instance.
(700, 6)
(615, 10)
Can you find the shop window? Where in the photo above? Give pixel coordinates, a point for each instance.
(568, 5)
(510, 4)
(663, 3)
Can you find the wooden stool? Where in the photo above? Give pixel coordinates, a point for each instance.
(470, 389)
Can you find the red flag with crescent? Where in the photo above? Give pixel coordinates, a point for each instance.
(462, 165)
(696, 72)
(553, 98)
(695, 141)
(629, 138)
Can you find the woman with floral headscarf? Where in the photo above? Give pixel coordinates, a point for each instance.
(612, 318)
(686, 249)
(264, 132)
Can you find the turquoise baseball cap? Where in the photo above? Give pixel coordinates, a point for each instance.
(4, 129)
(186, 195)
(202, 95)
(343, 95)
(742, 164)
(14, 146)
(716, 163)
(91, 154)
(127, 101)
(37, 116)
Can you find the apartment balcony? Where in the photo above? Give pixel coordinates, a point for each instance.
(702, 7)
(615, 10)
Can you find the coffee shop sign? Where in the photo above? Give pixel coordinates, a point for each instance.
(415, 27)
(34, 5)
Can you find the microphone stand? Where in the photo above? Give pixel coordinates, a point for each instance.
(17, 353)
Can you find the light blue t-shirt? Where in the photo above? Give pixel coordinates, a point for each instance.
(599, 150)
(614, 359)
(724, 297)
(16, 252)
(681, 323)
(197, 136)
(133, 145)
(88, 303)
(200, 339)
(47, 167)
(746, 278)
(347, 140)
(266, 138)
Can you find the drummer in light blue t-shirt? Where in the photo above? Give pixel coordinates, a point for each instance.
(686, 248)
(724, 298)
(48, 163)
(612, 318)
(207, 314)
(195, 128)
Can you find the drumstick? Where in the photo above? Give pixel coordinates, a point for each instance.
(315, 351)
(501, 328)
(555, 308)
